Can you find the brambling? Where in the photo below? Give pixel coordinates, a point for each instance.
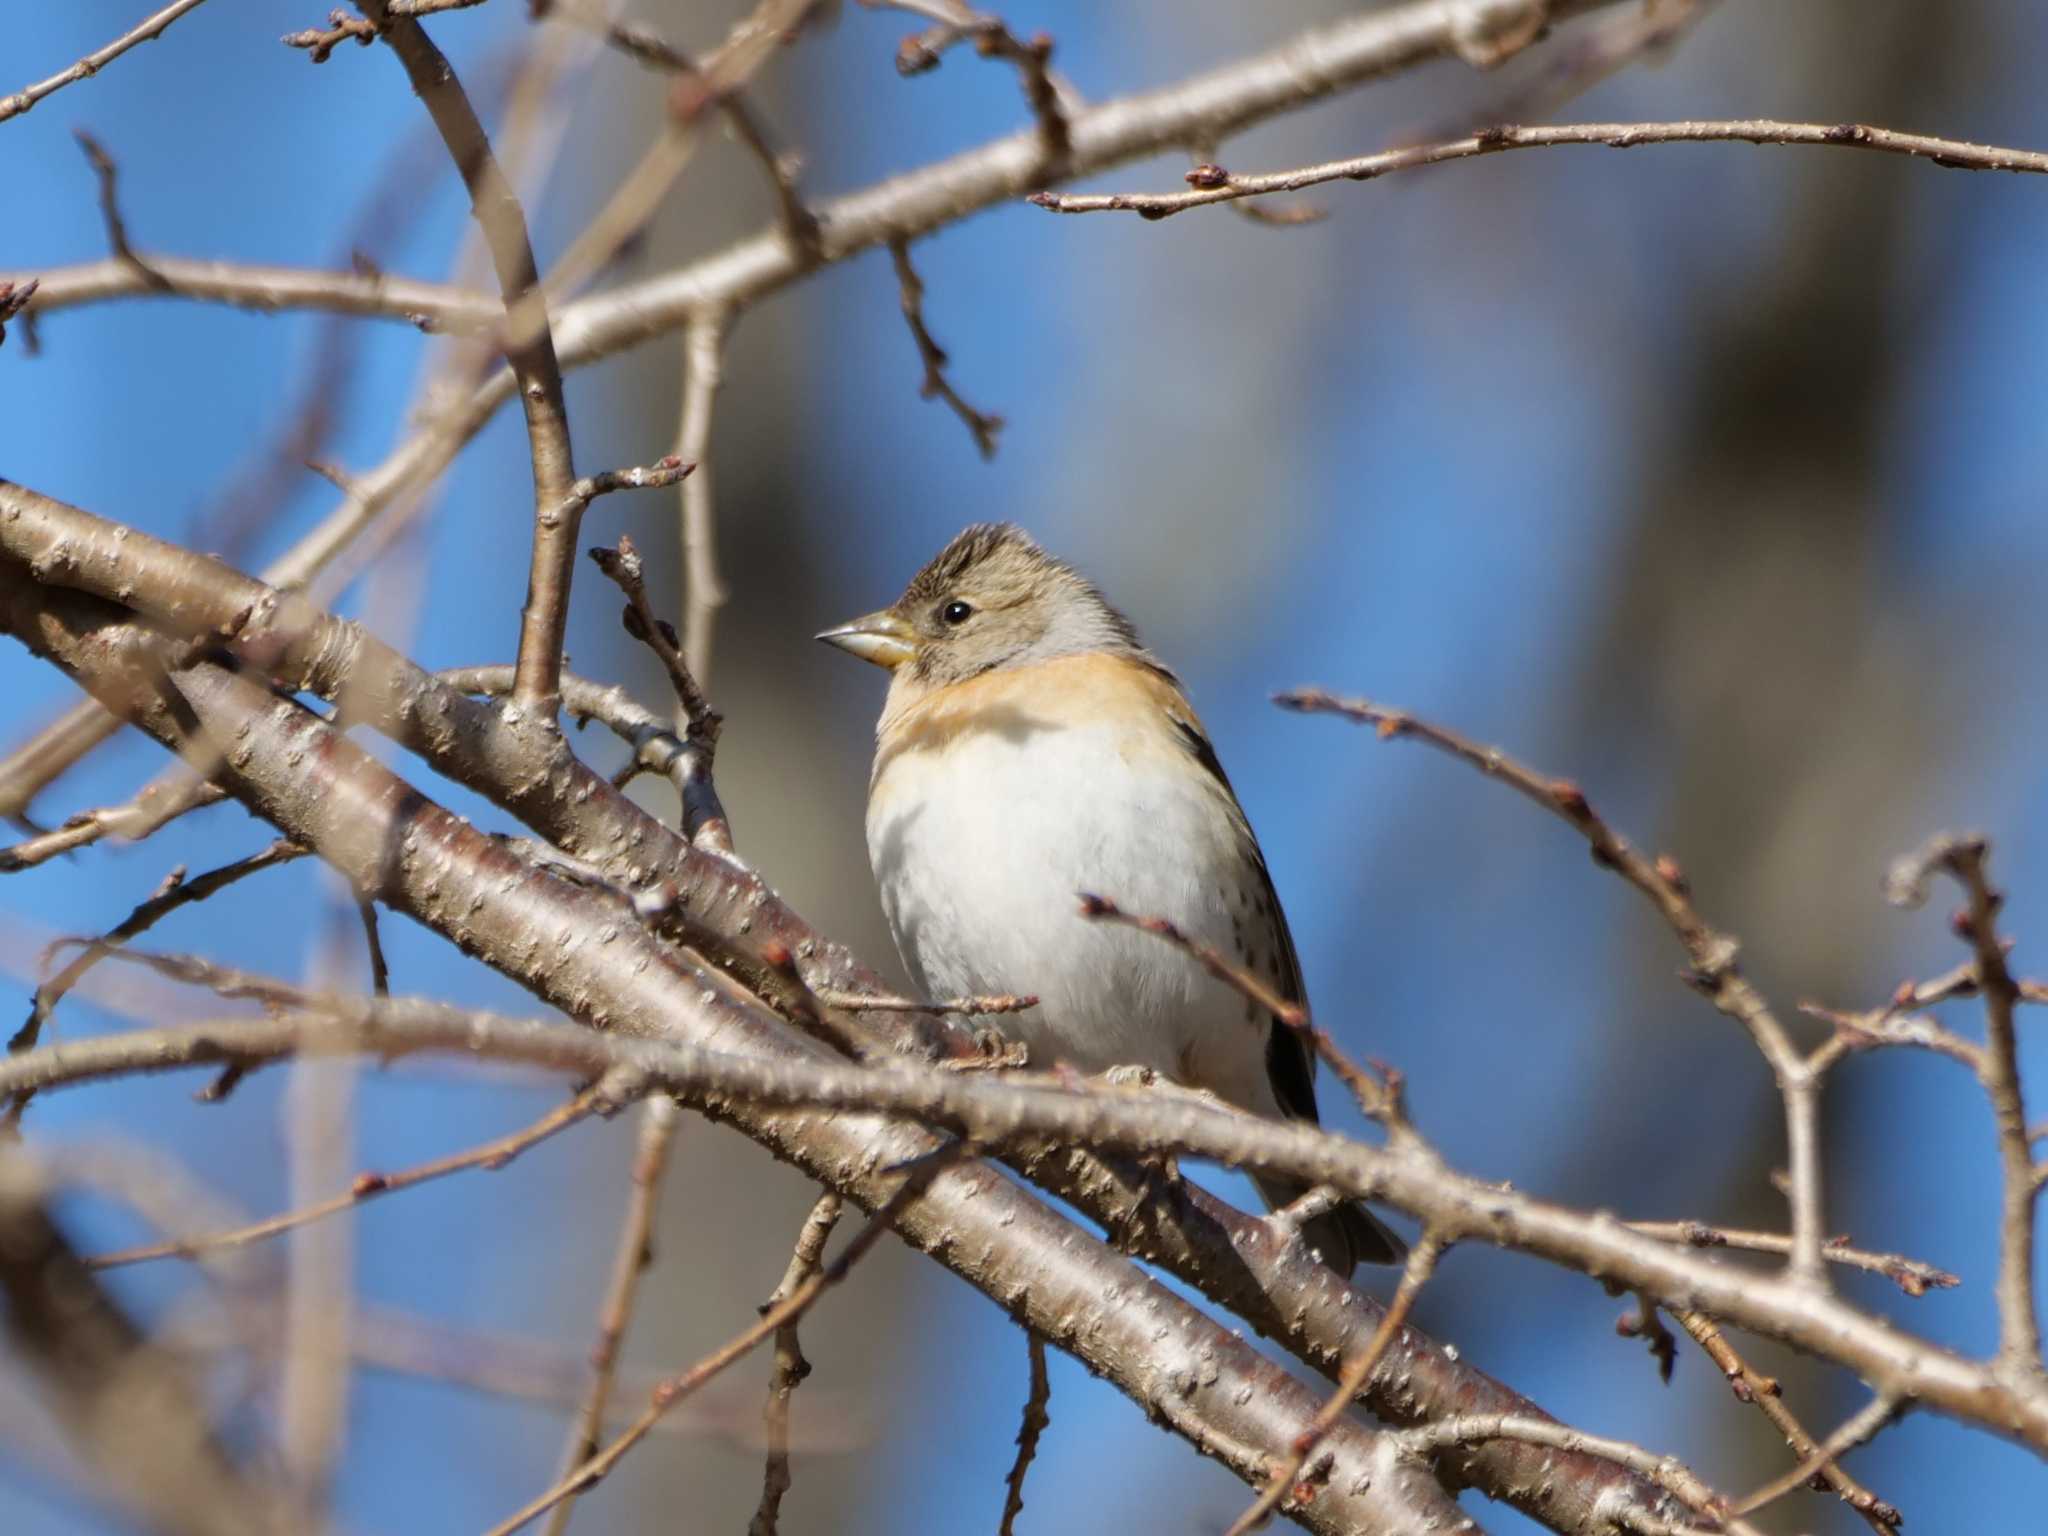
(1031, 749)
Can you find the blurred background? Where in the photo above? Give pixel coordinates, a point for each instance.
(1709, 476)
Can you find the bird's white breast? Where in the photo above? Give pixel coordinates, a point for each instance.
(988, 817)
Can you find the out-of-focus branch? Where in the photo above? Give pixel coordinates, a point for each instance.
(791, 1368)
(529, 345)
(1213, 184)
(703, 587)
(161, 801)
(799, 224)
(371, 1185)
(175, 892)
(632, 1258)
(641, 191)
(132, 1414)
(783, 1314)
(147, 30)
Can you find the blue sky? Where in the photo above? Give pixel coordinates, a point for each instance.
(1406, 452)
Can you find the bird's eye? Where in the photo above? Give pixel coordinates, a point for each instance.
(956, 612)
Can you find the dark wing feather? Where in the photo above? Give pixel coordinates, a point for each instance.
(1351, 1234)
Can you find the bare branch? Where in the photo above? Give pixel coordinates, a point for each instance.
(175, 892)
(1049, 97)
(1036, 1420)
(164, 800)
(136, 1419)
(782, 1314)
(1212, 184)
(1751, 1386)
(791, 1368)
(981, 426)
(371, 1185)
(147, 30)
(109, 177)
(1379, 1099)
(799, 224)
(1963, 858)
(1666, 1471)
(704, 818)
(994, 1112)
(1716, 972)
(631, 1260)
(704, 588)
(1873, 1417)
(855, 1002)
(529, 348)
(1281, 1487)
(1909, 1275)
(320, 42)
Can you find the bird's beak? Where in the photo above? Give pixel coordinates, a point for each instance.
(885, 638)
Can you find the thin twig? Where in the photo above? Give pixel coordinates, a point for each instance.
(320, 42)
(789, 1310)
(1049, 96)
(175, 892)
(747, 48)
(163, 800)
(791, 1368)
(1281, 1486)
(600, 1097)
(109, 177)
(659, 1121)
(1715, 970)
(1380, 1097)
(1751, 1386)
(1867, 1422)
(1036, 1419)
(646, 47)
(1909, 1275)
(1225, 187)
(980, 425)
(861, 1002)
(1964, 858)
(147, 30)
(529, 346)
(704, 818)
(703, 587)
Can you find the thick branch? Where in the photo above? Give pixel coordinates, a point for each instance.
(416, 858)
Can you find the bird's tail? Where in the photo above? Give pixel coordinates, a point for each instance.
(1346, 1237)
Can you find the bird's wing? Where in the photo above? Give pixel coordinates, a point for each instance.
(1289, 1062)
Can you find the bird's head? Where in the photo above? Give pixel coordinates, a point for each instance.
(991, 598)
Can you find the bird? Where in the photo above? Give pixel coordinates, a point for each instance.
(1030, 750)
